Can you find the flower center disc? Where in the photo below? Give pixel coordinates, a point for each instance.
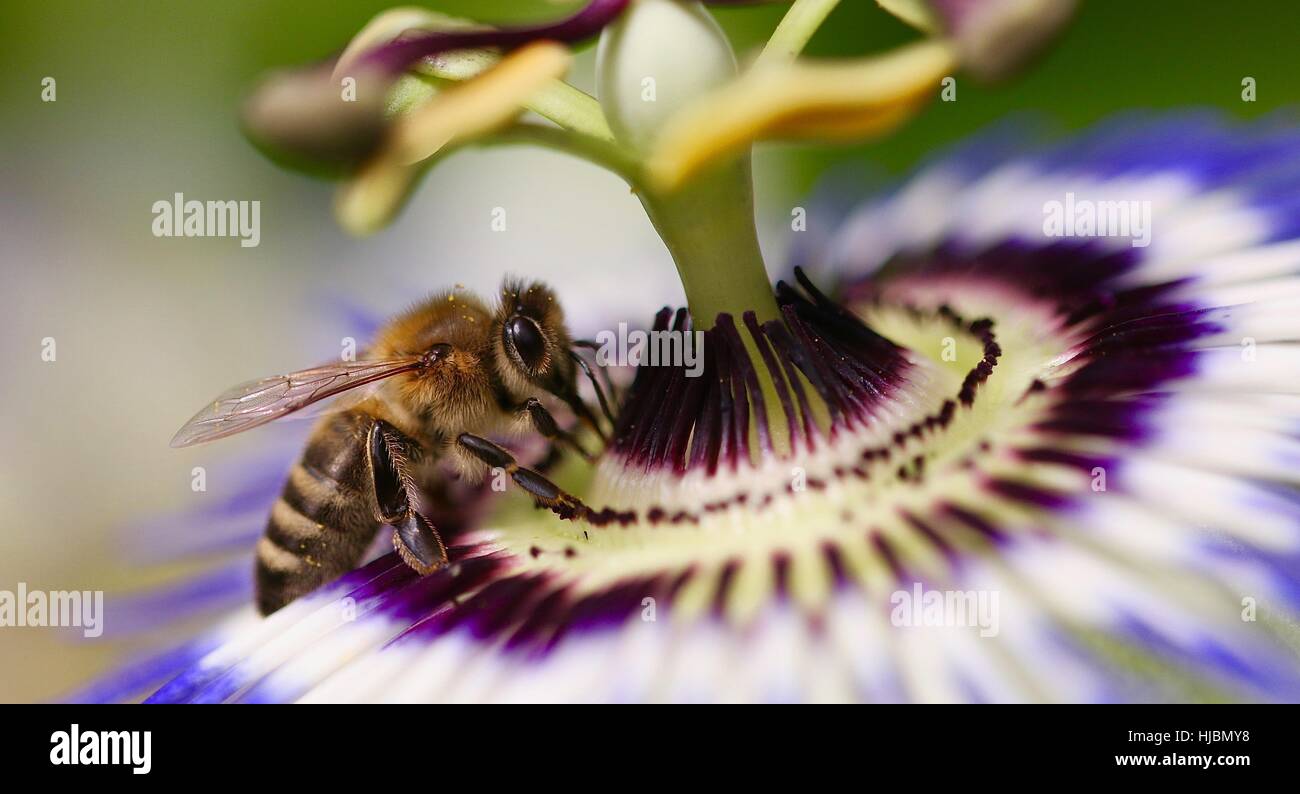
(892, 404)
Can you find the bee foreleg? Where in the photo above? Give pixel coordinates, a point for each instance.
(550, 430)
(547, 493)
(414, 537)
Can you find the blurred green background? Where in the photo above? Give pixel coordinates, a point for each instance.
(147, 328)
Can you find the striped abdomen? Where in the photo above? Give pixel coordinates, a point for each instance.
(324, 520)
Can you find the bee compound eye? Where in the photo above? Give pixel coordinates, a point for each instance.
(525, 338)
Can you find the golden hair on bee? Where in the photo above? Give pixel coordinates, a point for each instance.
(460, 389)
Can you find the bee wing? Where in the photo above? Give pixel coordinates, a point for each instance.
(257, 402)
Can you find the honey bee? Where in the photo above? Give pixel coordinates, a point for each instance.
(437, 381)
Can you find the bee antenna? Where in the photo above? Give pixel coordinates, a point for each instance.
(595, 347)
(595, 384)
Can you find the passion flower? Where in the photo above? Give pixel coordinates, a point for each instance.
(964, 451)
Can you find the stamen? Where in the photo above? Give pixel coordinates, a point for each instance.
(851, 368)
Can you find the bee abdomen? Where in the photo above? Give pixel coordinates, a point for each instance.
(323, 521)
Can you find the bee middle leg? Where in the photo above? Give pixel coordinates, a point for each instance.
(547, 493)
(414, 537)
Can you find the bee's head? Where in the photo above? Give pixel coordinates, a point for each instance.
(532, 344)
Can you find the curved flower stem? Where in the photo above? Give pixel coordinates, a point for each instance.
(597, 151)
(557, 101)
(572, 109)
(708, 226)
(796, 28)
